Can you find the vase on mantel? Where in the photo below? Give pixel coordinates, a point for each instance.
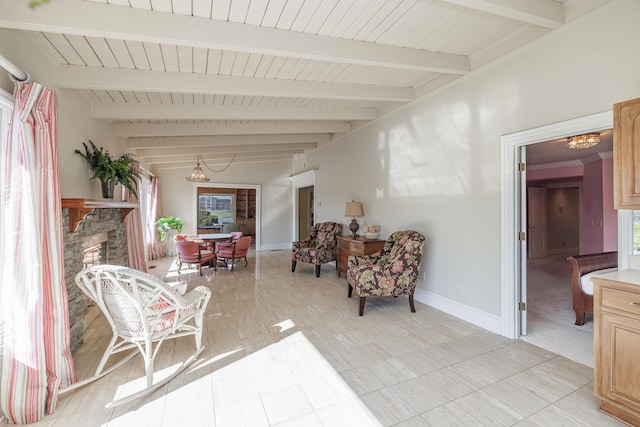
(108, 188)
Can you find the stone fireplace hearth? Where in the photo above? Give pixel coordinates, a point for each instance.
(104, 224)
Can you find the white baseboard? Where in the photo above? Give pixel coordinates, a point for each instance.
(275, 246)
(472, 315)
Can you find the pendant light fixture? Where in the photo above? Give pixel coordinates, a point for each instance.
(198, 174)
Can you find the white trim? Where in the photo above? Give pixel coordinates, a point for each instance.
(509, 190)
(256, 187)
(472, 315)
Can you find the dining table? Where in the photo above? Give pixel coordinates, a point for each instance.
(210, 241)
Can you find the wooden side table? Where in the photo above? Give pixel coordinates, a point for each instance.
(348, 246)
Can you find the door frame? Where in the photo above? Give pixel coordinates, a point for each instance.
(301, 180)
(257, 187)
(511, 269)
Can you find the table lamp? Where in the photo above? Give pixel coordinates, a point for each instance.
(353, 209)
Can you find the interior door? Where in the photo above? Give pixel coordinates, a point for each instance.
(537, 222)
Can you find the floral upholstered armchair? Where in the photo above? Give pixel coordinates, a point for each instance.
(320, 247)
(391, 272)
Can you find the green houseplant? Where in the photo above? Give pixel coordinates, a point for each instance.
(166, 223)
(111, 171)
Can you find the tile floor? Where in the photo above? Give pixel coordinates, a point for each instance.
(289, 349)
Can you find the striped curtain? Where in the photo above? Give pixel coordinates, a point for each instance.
(156, 250)
(133, 231)
(36, 358)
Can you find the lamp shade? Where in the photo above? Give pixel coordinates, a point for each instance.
(353, 209)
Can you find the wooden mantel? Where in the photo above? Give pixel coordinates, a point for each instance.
(79, 208)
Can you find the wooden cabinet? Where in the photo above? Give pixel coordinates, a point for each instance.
(246, 210)
(348, 246)
(617, 344)
(626, 154)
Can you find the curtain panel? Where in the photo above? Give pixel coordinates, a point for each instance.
(133, 230)
(36, 357)
(156, 250)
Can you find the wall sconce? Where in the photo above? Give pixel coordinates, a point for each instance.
(353, 209)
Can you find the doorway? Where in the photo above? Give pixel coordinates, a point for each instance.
(305, 212)
(513, 204)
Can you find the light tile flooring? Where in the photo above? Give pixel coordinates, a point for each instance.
(289, 349)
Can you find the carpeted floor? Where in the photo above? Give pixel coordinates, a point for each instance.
(550, 317)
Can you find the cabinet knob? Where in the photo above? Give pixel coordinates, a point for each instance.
(635, 304)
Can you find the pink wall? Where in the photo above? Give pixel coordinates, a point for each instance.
(555, 173)
(591, 224)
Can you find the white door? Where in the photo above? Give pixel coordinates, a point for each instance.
(537, 222)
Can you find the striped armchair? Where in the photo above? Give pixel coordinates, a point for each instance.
(391, 272)
(320, 247)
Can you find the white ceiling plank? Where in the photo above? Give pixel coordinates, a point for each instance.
(94, 19)
(544, 13)
(273, 13)
(65, 49)
(337, 15)
(214, 56)
(289, 13)
(226, 63)
(263, 66)
(154, 56)
(304, 15)
(256, 12)
(71, 77)
(41, 40)
(185, 59)
(83, 48)
(170, 55)
(138, 55)
(160, 143)
(103, 51)
(122, 111)
(200, 60)
(238, 11)
(172, 129)
(320, 16)
(252, 65)
(364, 15)
(141, 4)
(275, 67)
(121, 53)
(202, 8)
(239, 64)
(376, 20)
(161, 5)
(221, 9)
(389, 21)
(349, 16)
(183, 7)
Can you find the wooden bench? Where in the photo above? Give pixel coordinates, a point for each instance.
(583, 264)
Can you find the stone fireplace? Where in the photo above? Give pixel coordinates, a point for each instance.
(101, 228)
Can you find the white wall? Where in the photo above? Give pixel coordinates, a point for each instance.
(177, 199)
(435, 165)
(75, 124)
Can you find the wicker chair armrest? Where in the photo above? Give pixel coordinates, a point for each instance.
(196, 296)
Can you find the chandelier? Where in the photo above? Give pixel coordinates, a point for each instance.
(198, 174)
(584, 141)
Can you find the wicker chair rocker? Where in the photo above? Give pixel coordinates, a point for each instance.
(143, 312)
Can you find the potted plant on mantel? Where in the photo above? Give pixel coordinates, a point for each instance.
(110, 171)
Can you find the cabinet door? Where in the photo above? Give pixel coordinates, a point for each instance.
(620, 347)
(626, 154)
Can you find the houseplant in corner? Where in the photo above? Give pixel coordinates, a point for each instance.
(111, 171)
(169, 225)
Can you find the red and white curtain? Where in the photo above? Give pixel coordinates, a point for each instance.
(36, 357)
(156, 250)
(133, 231)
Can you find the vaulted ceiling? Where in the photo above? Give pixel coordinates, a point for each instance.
(264, 80)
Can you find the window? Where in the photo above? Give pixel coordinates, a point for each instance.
(215, 209)
(636, 232)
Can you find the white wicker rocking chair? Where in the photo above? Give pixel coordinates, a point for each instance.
(142, 311)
